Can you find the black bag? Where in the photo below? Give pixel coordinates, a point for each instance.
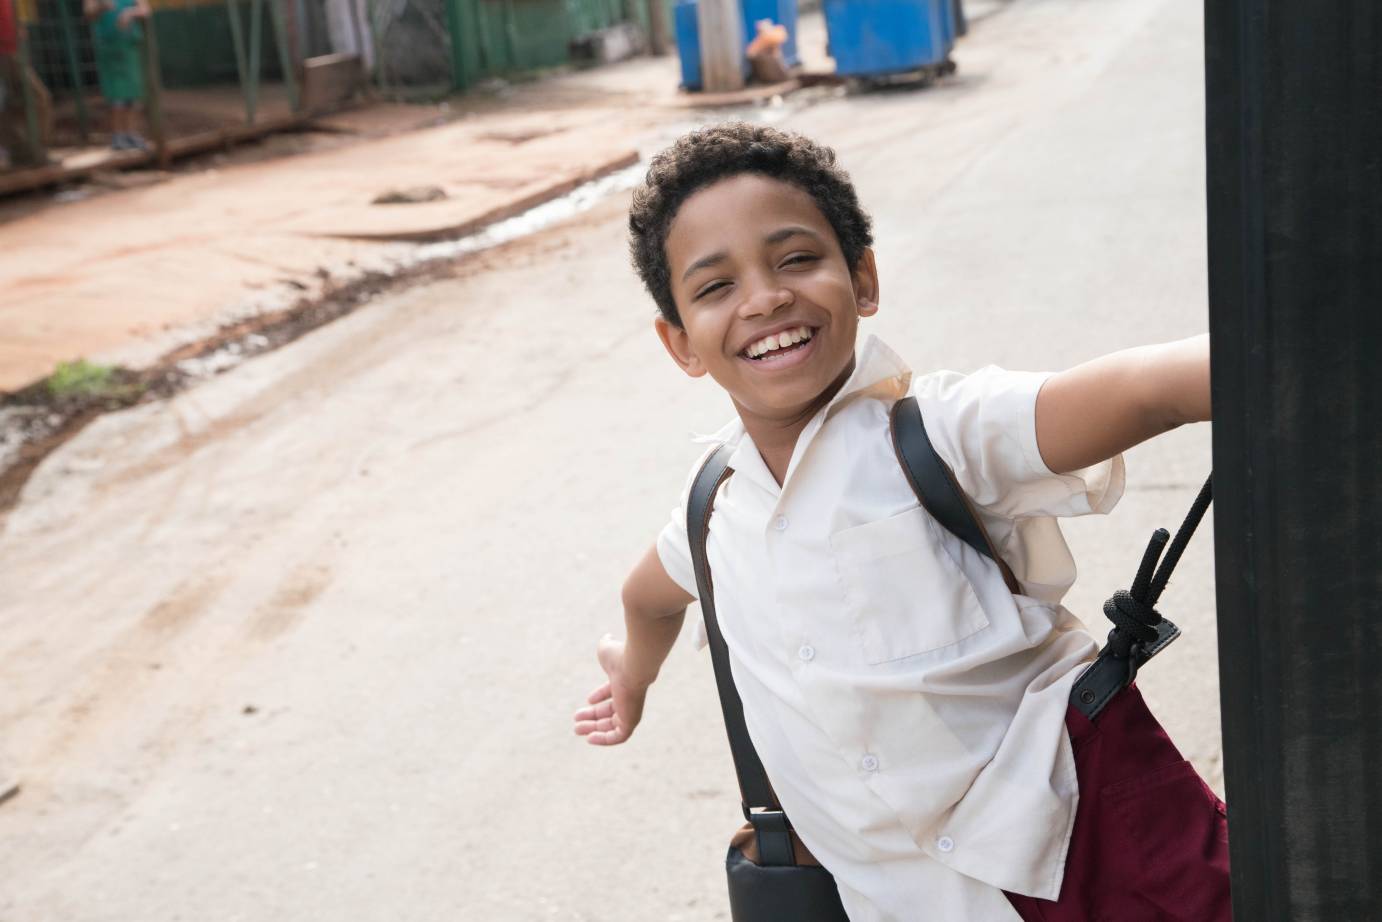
(772, 876)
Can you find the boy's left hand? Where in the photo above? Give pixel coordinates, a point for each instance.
(616, 707)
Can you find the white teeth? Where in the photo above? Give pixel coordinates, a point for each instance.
(778, 341)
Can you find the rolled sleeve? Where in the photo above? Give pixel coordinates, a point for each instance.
(674, 551)
(984, 426)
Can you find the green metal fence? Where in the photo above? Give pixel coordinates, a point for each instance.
(499, 37)
(215, 68)
(207, 67)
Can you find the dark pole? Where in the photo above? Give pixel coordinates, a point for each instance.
(153, 96)
(659, 33)
(1294, 118)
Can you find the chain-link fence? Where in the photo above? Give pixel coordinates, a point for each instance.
(86, 79)
(89, 83)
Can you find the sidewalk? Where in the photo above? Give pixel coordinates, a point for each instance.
(125, 277)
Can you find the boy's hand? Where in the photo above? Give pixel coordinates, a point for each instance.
(617, 706)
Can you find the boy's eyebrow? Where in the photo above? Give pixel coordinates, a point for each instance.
(782, 234)
(776, 236)
(704, 261)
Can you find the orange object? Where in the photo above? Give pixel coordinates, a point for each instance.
(769, 39)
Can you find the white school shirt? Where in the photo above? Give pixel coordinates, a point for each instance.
(909, 710)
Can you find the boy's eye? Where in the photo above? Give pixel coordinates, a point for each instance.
(799, 258)
(710, 289)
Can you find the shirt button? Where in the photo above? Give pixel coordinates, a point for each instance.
(869, 762)
(780, 523)
(945, 844)
(807, 653)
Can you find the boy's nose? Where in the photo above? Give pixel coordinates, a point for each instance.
(766, 301)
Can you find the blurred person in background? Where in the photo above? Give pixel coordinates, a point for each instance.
(9, 72)
(117, 35)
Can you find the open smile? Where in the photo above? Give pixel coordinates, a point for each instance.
(780, 349)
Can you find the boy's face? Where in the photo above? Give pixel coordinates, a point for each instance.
(753, 258)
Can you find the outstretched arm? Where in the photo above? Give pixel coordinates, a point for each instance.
(1100, 408)
(654, 607)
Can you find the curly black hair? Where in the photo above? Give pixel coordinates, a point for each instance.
(710, 154)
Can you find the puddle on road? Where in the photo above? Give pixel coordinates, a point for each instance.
(539, 217)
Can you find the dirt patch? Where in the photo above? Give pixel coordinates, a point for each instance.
(36, 421)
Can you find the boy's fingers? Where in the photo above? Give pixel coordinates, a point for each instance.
(608, 738)
(603, 725)
(599, 694)
(603, 709)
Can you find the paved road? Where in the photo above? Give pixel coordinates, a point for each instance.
(304, 642)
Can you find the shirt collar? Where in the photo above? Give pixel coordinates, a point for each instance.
(878, 372)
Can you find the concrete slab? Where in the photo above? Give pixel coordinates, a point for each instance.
(126, 276)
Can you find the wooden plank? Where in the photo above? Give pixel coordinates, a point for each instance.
(721, 27)
(38, 177)
(330, 81)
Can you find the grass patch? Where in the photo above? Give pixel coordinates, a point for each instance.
(82, 381)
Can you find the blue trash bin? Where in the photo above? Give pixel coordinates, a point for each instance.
(782, 12)
(949, 26)
(874, 38)
(688, 43)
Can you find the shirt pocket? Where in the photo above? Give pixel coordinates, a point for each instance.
(904, 592)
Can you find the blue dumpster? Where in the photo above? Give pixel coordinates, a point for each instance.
(688, 43)
(873, 38)
(950, 27)
(782, 12)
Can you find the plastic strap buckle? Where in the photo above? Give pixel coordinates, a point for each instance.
(774, 833)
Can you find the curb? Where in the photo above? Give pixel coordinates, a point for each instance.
(502, 212)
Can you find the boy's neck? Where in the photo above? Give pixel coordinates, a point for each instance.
(776, 437)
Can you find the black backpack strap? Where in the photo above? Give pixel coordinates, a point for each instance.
(935, 485)
(1139, 633)
(760, 803)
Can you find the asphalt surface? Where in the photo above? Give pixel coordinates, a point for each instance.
(304, 642)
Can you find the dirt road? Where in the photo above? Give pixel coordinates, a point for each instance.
(303, 642)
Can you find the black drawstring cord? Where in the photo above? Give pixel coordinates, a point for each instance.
(1133, 612)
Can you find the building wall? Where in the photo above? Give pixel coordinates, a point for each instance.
(195, 45)
(492, 38)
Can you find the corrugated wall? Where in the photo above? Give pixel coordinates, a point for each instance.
(496, 37)
(195, 45)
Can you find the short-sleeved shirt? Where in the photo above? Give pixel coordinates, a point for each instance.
(909, 709)
(119, 65)
(9, 31)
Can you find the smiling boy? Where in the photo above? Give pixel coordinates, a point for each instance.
(911, 711)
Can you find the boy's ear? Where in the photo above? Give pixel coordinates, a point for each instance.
(866, 284)
(678, 346)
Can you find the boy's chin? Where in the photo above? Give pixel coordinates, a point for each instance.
(789, 397)
(787, 401)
